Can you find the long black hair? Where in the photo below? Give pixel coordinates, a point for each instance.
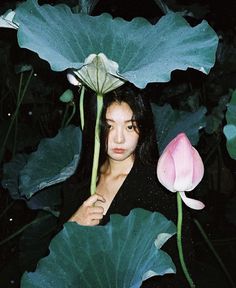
(146, 149)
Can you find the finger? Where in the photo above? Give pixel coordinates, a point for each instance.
(93, 199)
(97, 216)
(94, 222)
(96, 209)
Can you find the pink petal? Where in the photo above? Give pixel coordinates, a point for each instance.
(192, 203)
(166, 171)
(198, 169)
(183, 159)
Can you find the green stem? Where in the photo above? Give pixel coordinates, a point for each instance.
(96, 145)
(15, 136)
(221, 263)
(64, 116)
(179, 241)
(81, 107)
(72, 103)
(16, 119)
(161, 4)
(15, 113)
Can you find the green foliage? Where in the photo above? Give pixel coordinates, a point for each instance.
(169, 123)
(230, 128)
(214, 120)
(67, 96)
(122, 253)
(170, 44)
(48, 199)
(87, 6)
(54, 161)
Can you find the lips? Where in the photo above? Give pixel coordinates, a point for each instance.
(118, 150)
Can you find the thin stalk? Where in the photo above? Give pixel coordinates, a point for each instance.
(218, 242)
(16, 119)
(72, 103)
(179, 241)
(19, 88)
(22, 229)
(64, 116)
(81, 107)
(96, 145)
(15, 136)
(208, 242)
(15, 114)
(162, 5)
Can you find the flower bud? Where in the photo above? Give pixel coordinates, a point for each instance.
(180, 168)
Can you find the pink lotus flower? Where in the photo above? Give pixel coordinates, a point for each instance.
(180, 169)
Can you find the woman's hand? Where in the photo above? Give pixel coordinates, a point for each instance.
(88, 214)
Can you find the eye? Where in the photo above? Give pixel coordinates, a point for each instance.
(109, 127)
(130, 127)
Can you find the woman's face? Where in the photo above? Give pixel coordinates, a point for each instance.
(122, 134)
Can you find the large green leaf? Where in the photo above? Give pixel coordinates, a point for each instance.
(169, 123)
(55, 160)
(122, 253)
(214, 120)
(48, 199)
(65, 40)
(230, 128)
(87, 6)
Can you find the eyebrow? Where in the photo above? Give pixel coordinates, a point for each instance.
(126, 121)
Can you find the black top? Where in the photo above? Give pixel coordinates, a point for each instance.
(140, 189)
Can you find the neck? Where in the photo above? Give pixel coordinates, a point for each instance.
(117, 167)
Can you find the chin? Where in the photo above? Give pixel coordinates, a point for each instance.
(120, 157)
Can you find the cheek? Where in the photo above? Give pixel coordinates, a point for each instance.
(134, 141)
(109, 141)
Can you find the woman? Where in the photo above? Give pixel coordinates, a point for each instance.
(127, 175)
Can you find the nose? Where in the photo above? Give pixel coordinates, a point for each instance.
(119, 136)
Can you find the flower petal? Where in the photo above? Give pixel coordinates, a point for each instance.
(198, 169)
(192, 203)
(100, 73)
(72, 79)
(166, 171)
(183, 159)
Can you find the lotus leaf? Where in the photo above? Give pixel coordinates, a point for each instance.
(65, 40)
(54, 161)
(122, 253)
(230, 128)
(169, 123)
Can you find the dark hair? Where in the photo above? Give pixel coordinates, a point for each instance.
(146, 149)
(147, 145)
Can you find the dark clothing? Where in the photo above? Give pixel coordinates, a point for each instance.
(140, 189)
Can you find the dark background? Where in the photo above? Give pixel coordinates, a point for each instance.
(218, 188)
